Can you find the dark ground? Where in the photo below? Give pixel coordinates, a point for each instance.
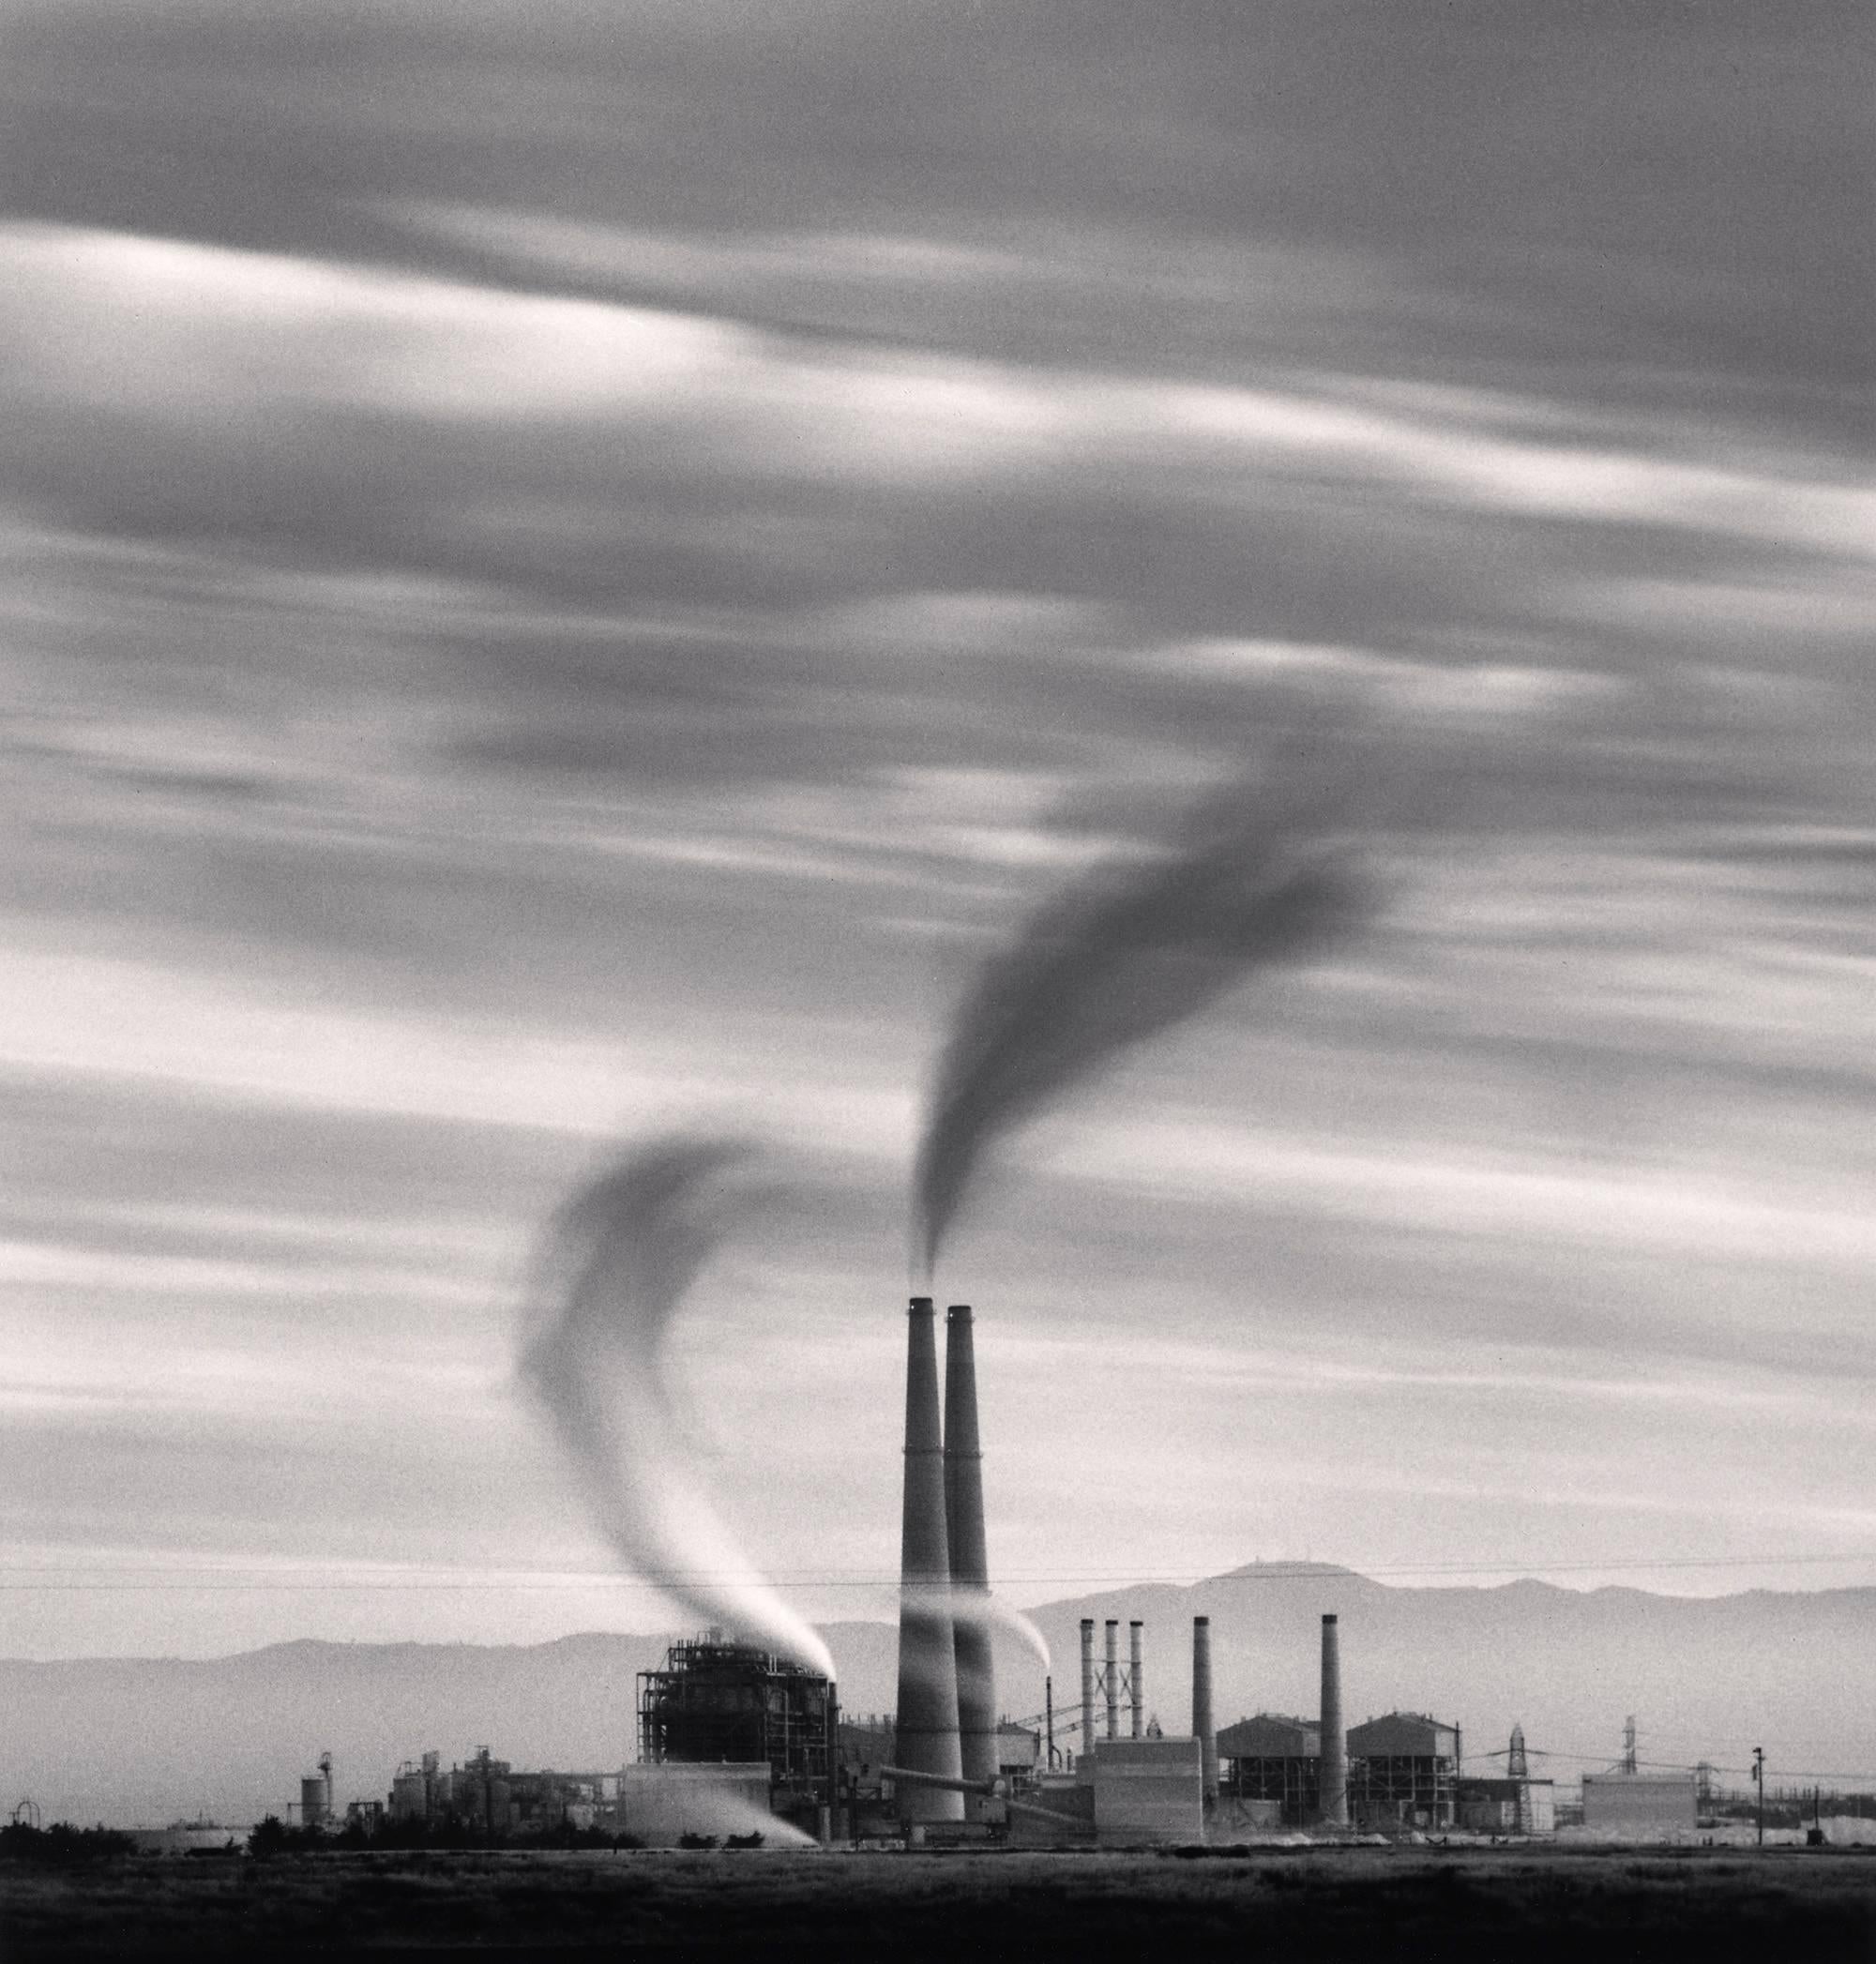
(1594, 1907)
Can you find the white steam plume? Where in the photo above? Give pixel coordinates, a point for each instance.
(1126, 954)
(988, 1610)
(615, 1267)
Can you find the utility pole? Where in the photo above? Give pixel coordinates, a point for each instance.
(1758, 1774)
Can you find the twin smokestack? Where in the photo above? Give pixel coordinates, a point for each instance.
(947, 1682)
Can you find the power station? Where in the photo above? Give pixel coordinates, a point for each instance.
(735, 1740)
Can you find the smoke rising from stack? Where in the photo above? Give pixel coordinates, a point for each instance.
(615, 1267)
(1127, 954)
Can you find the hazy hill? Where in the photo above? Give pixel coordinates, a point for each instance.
(152, 1739)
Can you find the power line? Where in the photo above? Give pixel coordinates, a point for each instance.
(333, 1576)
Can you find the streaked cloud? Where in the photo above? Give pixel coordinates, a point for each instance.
(567, 573)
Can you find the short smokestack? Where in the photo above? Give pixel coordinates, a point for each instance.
(1136, 1679)
(970, 1560)
(926, 1738)
(1202, 1727)
(1333, 1762)
(1111, 1629)
(1088, 1686)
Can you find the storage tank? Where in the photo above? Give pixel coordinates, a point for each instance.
(312, 1801)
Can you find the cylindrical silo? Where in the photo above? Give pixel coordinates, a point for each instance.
(970, 1559)
(928, 1664)
(1333, 1762)
(1203, 1727)
(312, 1811)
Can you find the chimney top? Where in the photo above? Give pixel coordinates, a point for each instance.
(1328, 1618)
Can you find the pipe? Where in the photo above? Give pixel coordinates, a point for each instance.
(970, 1562)
(1202, 1727)
(911, 1776)
(1087, 1684)
(1110, 1630)
(927, 1737)
(1333, 1781)
(1078, 1821)
(1135, 1679)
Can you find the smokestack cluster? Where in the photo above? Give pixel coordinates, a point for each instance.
(1333, 1762)
(947, 1681)
(928, 1738)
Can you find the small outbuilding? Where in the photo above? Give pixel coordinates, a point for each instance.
(1639, 1806)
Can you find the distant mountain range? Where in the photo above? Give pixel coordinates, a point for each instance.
(150, 1740)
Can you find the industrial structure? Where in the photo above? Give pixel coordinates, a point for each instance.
(1645, 1805)
(715, 1700)
(1203, 1727)
(486, 1797)
(928, 1742)
(1332, 1776)
(1403, 1772)
(728, 1731)
(1271, 1768)
(316, 1796)
(719, 1703)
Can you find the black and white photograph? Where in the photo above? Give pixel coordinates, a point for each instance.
(938, 979)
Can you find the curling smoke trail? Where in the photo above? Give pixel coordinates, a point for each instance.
(991, 1610)
(615, 1267)
(1127, 954)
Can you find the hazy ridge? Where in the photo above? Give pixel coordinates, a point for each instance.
(153, 1739)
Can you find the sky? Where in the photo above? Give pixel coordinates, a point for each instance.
(571, 571)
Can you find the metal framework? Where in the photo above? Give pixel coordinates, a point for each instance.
(718, 1700)
(1399, 1787)
(1293, 1781)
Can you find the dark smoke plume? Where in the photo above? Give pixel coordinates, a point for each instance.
(615, 1267)
(1124, 955)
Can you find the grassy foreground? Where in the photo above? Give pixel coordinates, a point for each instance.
(1479, 1904)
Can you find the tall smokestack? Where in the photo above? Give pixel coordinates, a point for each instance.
(928, 1666)
(1110, 1631)
(1334, 1763)
(970, 1562)
(1202, 1727)
(1088, 1687)
(1136, 1680)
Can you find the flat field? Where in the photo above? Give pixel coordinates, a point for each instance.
(1593, 1906)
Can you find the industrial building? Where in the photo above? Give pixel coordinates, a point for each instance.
(1147, 1793)
(486, 1796)
(1641, 1804)
(1270, 1765)
(1403, 1772)
(715, 1700)
(1505, 1804)
(719, 1703)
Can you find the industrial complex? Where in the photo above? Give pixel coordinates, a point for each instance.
(732, 1740)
